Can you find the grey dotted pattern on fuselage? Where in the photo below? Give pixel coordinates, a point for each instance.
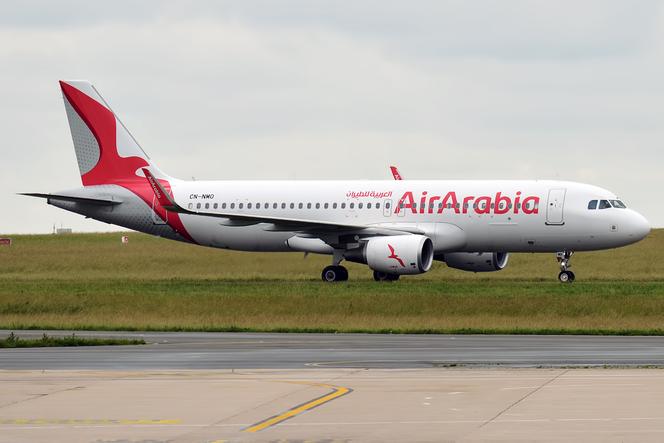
(132, 213)
(85, 143)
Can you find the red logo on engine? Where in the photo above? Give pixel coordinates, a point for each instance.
(395, 256)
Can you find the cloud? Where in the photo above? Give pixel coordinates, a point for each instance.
(290, 90)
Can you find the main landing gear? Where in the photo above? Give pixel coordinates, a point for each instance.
(565, 276)
(334, 273)
(384, 276)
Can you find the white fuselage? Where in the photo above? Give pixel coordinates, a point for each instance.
(556, 218)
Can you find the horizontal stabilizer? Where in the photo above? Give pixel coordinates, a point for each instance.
(71, 198)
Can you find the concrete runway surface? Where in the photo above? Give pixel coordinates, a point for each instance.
(378, 405)
(199, 387)
(294, 351)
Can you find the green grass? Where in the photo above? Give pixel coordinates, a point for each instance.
(14, 341)
(92, 281)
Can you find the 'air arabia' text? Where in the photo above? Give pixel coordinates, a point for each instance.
(498, 204)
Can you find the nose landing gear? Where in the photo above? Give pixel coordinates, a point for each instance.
(565, 276)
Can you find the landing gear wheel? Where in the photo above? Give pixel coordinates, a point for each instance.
(334, 273)
(566, 277)
(384, 276)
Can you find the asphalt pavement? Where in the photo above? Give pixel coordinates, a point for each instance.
(197, 350)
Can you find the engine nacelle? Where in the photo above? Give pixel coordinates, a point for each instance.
(399, 254)
(476, 261)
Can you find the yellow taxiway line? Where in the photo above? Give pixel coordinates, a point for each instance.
(337, 391)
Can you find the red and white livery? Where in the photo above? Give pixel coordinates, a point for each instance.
(396, 227)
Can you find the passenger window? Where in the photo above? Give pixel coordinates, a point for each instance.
(248, 205)
(198, 206)
(232, 205)
(274, 205)
(387, 205)
(592, 204)
(377, 205)
(343, 206)
(283, 206)
(352, 205)
(241, 205)
(191, 206)
(207, 205)
(308, 205)
(604, 204)
(300, 206)
(223, 206)
(317, 205)
(334, 206)
(359, 205)
(216, 205)
(326, 205)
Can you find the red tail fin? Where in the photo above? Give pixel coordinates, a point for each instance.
(106, 152)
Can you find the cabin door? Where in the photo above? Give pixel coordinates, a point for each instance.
(554, 207)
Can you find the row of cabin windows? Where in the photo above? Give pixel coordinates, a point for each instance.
(291, 205)
(606, 204)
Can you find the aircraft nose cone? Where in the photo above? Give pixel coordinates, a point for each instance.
(640, 227)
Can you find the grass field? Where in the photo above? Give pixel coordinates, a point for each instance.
(45, 341)
(92, 281)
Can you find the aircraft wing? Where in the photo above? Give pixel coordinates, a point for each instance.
(167, 201)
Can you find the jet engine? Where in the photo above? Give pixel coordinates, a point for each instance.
(397, 254)
(476, 261)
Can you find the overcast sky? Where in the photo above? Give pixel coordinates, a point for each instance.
(339, 90)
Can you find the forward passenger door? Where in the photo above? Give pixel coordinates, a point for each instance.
(554, 207)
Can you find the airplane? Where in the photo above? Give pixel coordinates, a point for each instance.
(396, 227)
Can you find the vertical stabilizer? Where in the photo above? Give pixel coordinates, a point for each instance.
(106, 152)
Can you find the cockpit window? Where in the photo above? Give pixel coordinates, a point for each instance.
(604, 204)
(592, 204)
(618, 204)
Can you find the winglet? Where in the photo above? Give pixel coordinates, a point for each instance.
(395, 173)
(163, 197)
